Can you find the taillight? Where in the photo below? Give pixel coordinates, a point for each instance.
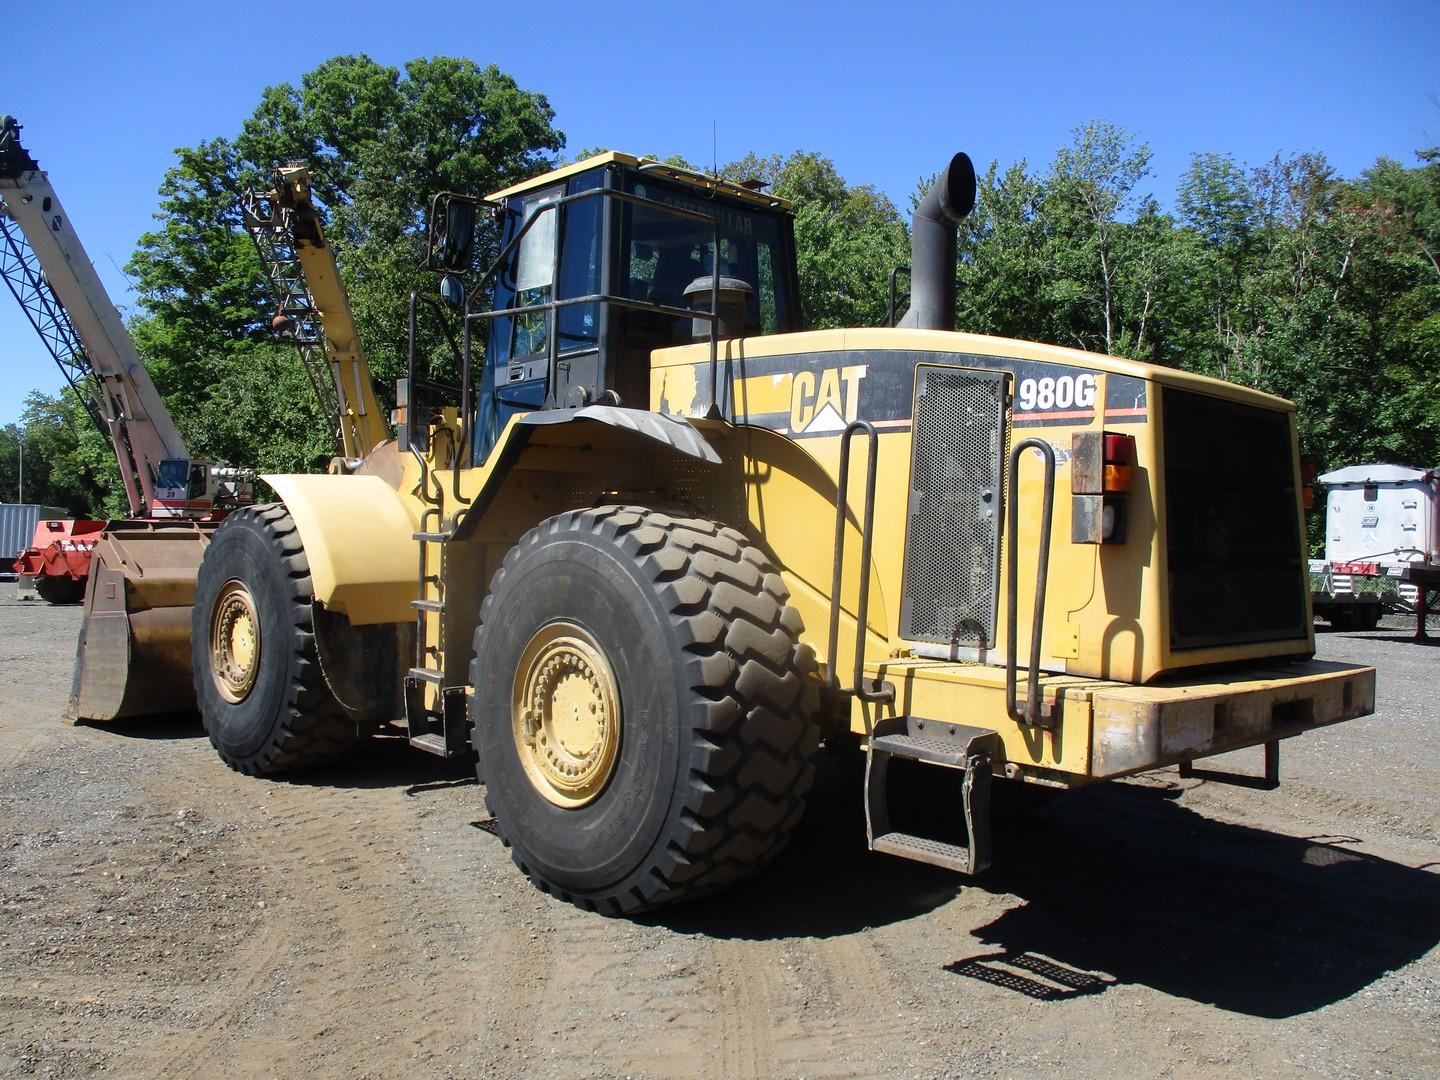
(1102, 468)
(1119, 463)
(1307, 484)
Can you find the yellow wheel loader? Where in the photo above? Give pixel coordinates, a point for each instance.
(660, 540)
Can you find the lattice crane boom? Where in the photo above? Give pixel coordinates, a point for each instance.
(313, 309)
(46, 267)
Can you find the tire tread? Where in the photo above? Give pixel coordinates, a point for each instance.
(314, 729)
(751, 721)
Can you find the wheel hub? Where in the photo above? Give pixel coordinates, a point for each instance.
(565, 709)
(234, 642)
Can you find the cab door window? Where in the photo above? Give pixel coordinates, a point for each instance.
(535, 271)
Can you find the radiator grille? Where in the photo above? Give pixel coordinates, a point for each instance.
(953, 530)
(1237, 571)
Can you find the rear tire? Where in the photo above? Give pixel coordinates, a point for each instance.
(643, 710)
(1342, 618)
(263, 699)
(59, 590)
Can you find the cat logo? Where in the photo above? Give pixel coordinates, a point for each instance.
(824, 402)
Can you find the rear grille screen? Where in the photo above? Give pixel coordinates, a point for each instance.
(1237, 569)
(954, 508)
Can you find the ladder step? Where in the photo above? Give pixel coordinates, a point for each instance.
(968, 750)
(432, 537)
(428, 605)
(920, 748)
(433, 743)
(428, 675)
(923, 849)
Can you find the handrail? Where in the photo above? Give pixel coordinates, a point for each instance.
(413, 384)
(1033, 714)
(895, 272)
(867, 532)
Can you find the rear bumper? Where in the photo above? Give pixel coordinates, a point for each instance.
(1135, 728)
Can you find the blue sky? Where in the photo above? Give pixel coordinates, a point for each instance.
(108, 91)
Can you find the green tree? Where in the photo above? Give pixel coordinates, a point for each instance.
(1073, 256)
(848, 237)
(1090, 194)
(381, 143)
(68, 463)
(1218, 208)
(1003, 273)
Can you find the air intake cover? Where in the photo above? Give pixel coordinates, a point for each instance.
(953, 533)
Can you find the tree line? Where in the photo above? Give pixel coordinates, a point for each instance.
(1283, 276)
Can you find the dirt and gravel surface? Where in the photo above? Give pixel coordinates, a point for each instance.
(163, 916)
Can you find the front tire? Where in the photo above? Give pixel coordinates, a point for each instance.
(643, 710)
(262, 696)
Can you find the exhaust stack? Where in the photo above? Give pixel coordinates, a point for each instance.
(932, 247)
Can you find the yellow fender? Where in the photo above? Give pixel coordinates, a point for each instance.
(359, 541)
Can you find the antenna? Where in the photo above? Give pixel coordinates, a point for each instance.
(714, 148)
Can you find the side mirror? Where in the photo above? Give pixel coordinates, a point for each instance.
(452, 232)
(452, 291)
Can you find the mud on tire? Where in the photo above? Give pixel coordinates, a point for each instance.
(715, 696)
(287, 719)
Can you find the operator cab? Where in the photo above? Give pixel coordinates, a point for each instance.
(602, 262)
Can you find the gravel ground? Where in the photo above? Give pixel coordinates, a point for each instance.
(163, 916)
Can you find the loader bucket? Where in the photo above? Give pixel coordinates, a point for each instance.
(133, 657)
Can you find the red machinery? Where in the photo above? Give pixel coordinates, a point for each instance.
(57, 562)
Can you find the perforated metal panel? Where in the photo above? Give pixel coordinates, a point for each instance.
(953, 534)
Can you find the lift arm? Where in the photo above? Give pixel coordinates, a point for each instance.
(314, 309)
(45, 266)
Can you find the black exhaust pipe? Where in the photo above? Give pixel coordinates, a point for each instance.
(932, 247)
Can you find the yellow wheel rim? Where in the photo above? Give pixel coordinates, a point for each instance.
(234, 642)
(565, 712)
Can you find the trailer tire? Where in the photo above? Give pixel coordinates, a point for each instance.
(663, 750)
(55, 589)
(262, 696)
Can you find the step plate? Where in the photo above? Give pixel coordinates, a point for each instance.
(919, 748)
(923, 849)
(432, 744)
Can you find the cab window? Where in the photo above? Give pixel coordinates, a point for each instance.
(665, 254)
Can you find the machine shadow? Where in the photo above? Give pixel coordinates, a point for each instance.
(825, 883)
(168, 726)
(1125, 882)
(385, 761)
(1406, 637)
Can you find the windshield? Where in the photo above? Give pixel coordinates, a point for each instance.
(173, 473)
